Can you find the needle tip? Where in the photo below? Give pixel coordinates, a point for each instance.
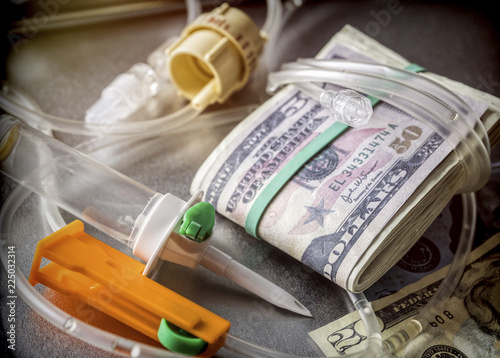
(283, 299)
(299, 308)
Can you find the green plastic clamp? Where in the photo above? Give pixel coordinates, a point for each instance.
(178, 340)
(198, 222)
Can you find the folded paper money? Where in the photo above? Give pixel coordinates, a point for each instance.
(464, 326)
(361, 202)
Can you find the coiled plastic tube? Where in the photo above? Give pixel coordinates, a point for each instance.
(13, 101)
(110, 342)
(428, 312)
(457, 125)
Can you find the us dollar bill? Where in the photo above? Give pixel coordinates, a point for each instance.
(433, 251)
(467, 325)
(359, 204)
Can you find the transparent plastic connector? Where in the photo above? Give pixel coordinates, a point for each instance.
(137, 88)
(125, 95)
(347, 106)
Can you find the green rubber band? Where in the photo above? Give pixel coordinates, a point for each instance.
(285, 174)
(413, 67)
(295, 164)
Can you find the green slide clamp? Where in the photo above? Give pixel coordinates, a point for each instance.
(198, 222)
(178, 340)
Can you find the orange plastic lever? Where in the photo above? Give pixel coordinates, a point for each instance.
(111, 281)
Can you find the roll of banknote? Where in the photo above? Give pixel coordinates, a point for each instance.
(363, 200)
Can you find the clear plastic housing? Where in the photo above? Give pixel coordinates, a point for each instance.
(105, 198)
(127, 93)
(347, 106)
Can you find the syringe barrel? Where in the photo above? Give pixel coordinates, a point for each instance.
(95, 193)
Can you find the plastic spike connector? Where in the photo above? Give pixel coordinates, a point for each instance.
(84, 267)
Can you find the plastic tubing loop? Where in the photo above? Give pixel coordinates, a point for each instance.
(388, 72)
(194, 9)
(428, 101)
(429, 311)
(60, 319)
(277, 15)
(11, 100)
(110, 342)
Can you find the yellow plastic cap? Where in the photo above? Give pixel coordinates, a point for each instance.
(215, 55)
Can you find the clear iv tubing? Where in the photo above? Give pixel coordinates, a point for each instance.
(156, 126)
(106, 11)
(28, 142)
(429, 311)
(194, 9)
(397, 75)
(110, 342)
(451, 123)
(412, 81)
(41, 119)
(253, 350)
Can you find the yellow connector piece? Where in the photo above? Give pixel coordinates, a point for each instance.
(215, 56)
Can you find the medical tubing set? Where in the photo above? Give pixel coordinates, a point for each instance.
(426, 100)
(144, 81)
(362, 305)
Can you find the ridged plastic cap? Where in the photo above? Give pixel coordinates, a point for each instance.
(215, 55)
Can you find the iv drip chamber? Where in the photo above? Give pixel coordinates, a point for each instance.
(87, 189)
